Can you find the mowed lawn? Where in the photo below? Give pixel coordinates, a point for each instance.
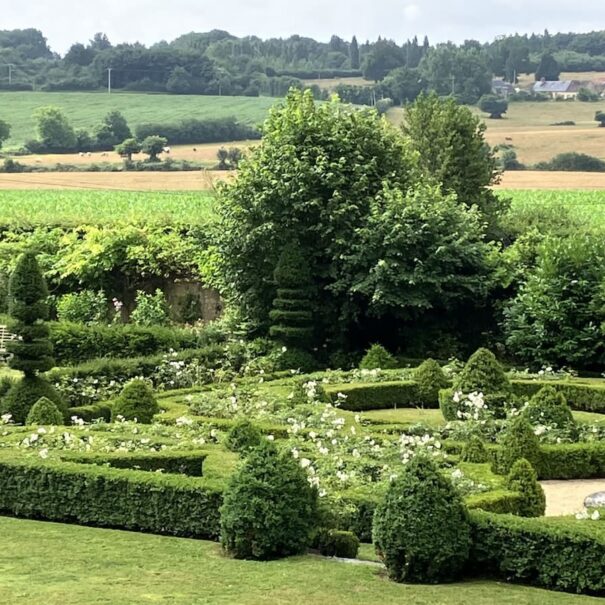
(86, 109)
(55, 564)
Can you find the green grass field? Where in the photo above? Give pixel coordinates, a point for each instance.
(72, 208)
(86, 109)
(69, 565)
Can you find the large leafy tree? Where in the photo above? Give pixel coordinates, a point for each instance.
(5, 131)
(54, 129)
(343, 183)
(451, 145)
(549, 68)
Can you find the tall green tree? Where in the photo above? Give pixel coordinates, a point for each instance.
(451, 145)
(383, 58)
(54, 130)
(153, 146)
(5, 132)
(31, 350)
(354, 54)
(548, 69)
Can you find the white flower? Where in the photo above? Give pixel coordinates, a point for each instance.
(43, 453)
(595, 515)
(6, 418)
(284, 349)
(305, 462)
(182, 421)
(270, 438)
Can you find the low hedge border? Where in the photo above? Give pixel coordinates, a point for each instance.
(378, 396)
(180, 463)
(109, 497)
(557, 554)
(580, 397)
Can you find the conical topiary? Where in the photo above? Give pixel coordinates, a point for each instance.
(377, 358)
(421, 529)
(519, 441)
(549, 407)
(474, 451)
(269, 509)
(136, 402)
(523, 479)
(482, 373)
(429, 379)
(44, 411)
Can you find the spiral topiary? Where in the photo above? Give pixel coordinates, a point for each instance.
(421, 529)
(269, 509)
(523, 479)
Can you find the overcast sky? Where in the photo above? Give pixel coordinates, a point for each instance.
(66, 21)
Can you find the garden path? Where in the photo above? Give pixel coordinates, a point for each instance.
(567, 497)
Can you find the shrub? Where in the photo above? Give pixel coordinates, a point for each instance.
(405, 530)
(474, 451)
(573, 162)
(136, 401)
(243, 436)
(269, 508)
(375, 395)
(523, 479)
(482, 373)
(552, 553)
(337, 543)
(25, 393)
(151, 309)
(583, 397)
(291, 316)
(86, 307)
(44, 411)
(377, 358)
(548, 407)
(519, 441)
(296, 359)
(429, 379)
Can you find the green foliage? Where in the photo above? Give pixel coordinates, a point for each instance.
(405, 531)
(573, 162)
(523, 479)
(292, 316)
(572, 461)
(452, 147)
(54, 130)
(377, 395)
(600, 118)
(581, 397)
(551, 553)
(85, 306)
(269, 508)
(586, 95)
(555, 317)
(5, 131)
(150, 310)
(548, 69)
(296, 359)
(243, 436)
(22, 396)
(377, 358)
(127, 148)
(494, 105)
(27, 294)
(110, 497)
(474, 451)
(153, 145)
(518, 441)
(482, 373)
(336, 543)
(430, 379)
(44, 411)
(136, 401)
(113, 129)
(549, 407)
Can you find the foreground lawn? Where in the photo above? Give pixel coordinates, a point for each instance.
(54, 564)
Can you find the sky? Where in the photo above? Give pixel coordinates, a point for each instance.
(64, 22)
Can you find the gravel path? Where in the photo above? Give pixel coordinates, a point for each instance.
(567, 497)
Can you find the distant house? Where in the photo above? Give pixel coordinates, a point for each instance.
(559, 89)
(502, 88)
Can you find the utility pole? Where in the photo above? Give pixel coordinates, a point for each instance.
(10, 72)
(453, 85)
(109, 69)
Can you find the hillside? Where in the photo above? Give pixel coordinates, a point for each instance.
(86, 109)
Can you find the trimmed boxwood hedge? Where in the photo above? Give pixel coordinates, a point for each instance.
(109, 497)
(180, 463)
(580, 397)
(572, 461)
(377, 395)
(559, 554)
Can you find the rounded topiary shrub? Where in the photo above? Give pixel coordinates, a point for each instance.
(523, 479)
(474, 451)
(296, 359)
(243, 436)
(421, 529)
(136, 402)
(336, 543)
(429, 379)
(377, 358)
(549, 407)
(25, 393)
(44, 411)
(482, 373)
(519, 441)
(269, 509)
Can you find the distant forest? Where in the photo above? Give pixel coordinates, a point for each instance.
(217, 63)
